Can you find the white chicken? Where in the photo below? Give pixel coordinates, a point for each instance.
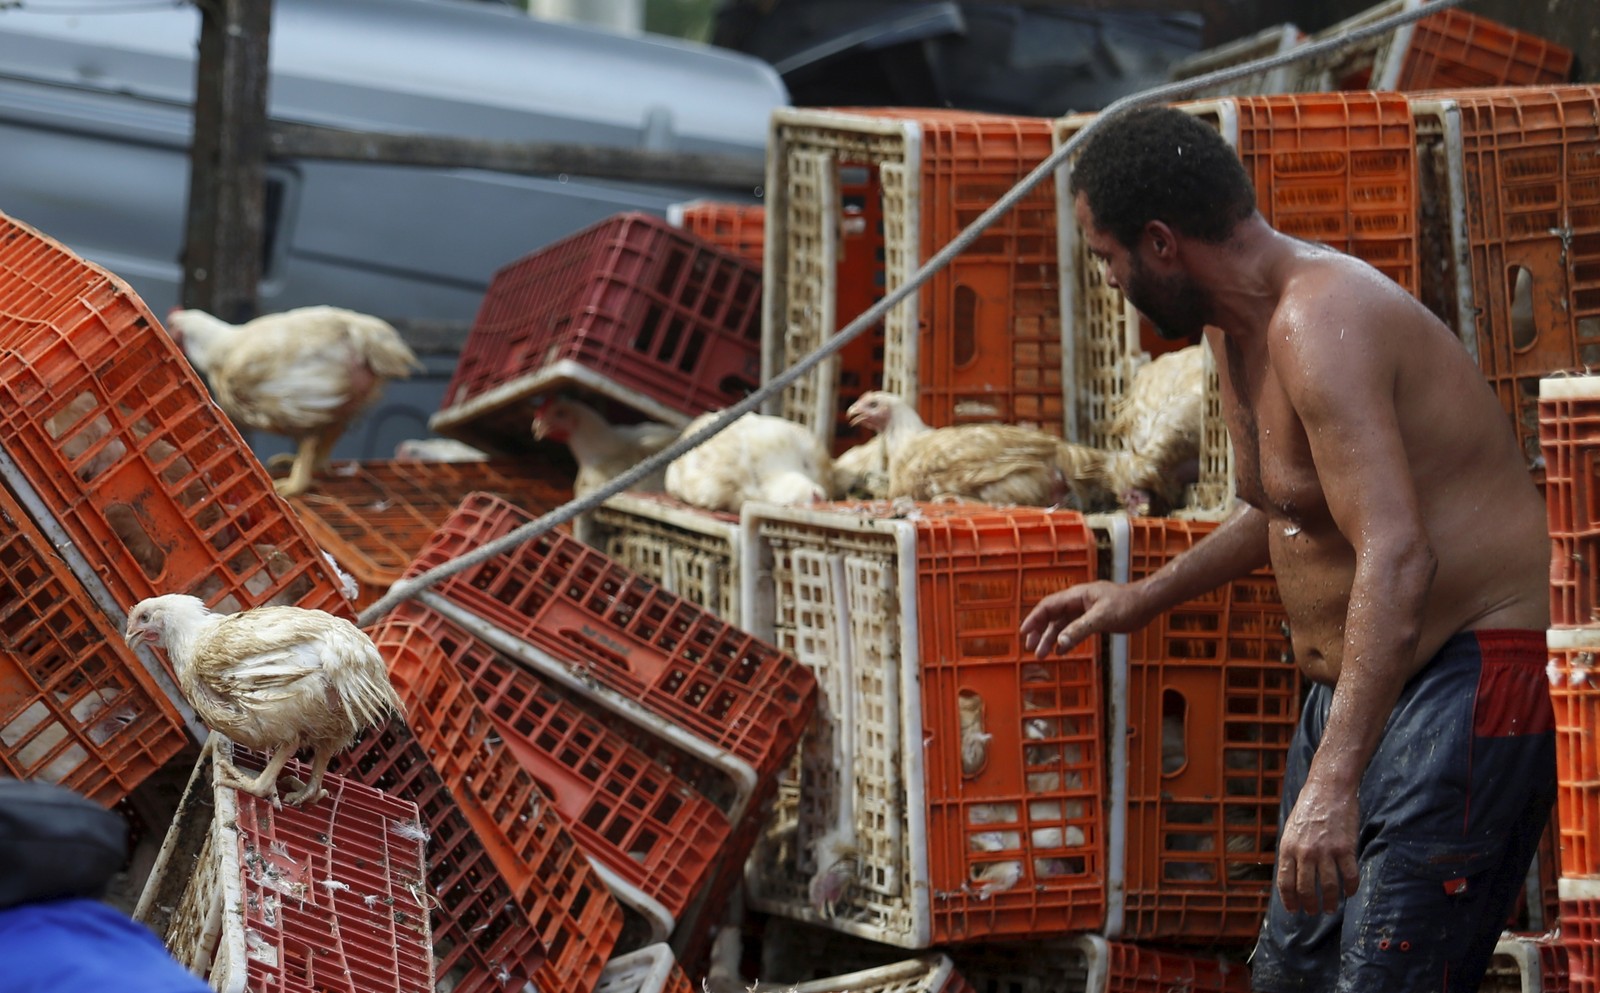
(304, 373)
(602, 450)
(274, 679)
(1001, 464)
(1158, 420)
(757, 457)
(861, 472)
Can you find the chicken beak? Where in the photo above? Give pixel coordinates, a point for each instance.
(539, 428)
(134, 634)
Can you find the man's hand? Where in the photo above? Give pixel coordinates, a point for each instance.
(1068, 616)
(1318, 847)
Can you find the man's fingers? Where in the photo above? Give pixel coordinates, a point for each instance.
(1288, 883)
(1349, 873)
(1328, 876)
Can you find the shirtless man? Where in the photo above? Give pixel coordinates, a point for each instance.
(1381, 479)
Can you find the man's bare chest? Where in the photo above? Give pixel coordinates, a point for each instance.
(1273, 464)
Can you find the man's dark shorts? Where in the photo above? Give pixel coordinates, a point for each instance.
(1452, 807)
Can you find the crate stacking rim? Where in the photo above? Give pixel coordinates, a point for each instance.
(948, 851)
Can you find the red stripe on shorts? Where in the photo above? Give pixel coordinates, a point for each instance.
(1513, 691)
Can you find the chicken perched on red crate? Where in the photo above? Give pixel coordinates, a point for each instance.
(631, 310)
(607, 687)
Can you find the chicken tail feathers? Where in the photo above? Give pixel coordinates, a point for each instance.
(387, 354)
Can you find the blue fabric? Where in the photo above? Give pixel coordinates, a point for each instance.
(79, 945)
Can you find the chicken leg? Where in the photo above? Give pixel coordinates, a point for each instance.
(312, 791)
(299, 478)
(265, 785)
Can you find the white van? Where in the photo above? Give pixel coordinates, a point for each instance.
(95, 119)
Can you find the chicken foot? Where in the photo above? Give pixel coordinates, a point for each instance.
(313, 791)
(265, 785)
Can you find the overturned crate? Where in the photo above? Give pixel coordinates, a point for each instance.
(326, 896)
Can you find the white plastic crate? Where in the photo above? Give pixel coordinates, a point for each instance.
(685, 550)
(260, 899)
(1446, 269)
(1522, 963)
(842, 590)
(651, 969)
(1373, 65)
(929, 974)
(1269, 41)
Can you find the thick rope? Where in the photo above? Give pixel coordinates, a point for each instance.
(405, 589)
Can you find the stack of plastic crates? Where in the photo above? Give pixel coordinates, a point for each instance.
(632, 311)
(859, 200)
(1569, 423)
(1338, 168)
(1198, 754)
(1521, 174)
(909, 618)
(1271, 41)
(374, 517)
(657, 729)
(1448, 49)
(328, 896)
(687, 551)
(483, 938)
(739, 228)
(122, 480)
(1526, 963)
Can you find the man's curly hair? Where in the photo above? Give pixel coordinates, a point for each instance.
(1161, 164)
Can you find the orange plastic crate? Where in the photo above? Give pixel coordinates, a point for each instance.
(633, 309)
(910, 623)
(77, 706)
(575, 918)
(1531, 164)
(483, 942)
(1575, 693)
(677, 660)
(1212, 706)
(656, 816)
(108, 424)
(982, 341)
(1569, 440)
(374, 517)
(1141, 969)
(1338, 168)
(739, 228)
(1454, 48)
(334, 889)
(1580, 933)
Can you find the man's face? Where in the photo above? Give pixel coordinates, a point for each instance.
(1170, 299)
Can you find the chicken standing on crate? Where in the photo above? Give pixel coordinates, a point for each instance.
(304, 373)
(274, 679)
(1002, 464)
(1158, 422)
(757, 457)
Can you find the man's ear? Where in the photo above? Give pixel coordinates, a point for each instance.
(1163, 240)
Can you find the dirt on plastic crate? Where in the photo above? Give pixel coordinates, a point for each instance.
(1531, 159)
(687, 551)
(866, 196)
(77, 706)
(1569, 442)
(374, 516)
(1575, 695)
(582, 609)
(655, 815)
(328, 896)
(1527, 963)
(909, 617)
(651, 969)
(1134, 968)
(739, 228)
(1213, 701)
(550, 877)
(1580, 933)
(107, 423)
(1458, 49)
(483, 942)
(649, 316)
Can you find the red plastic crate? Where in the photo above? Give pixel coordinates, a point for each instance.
(656, 816)
(1569, 436)
(1575, 694)
(77, 706)
(1338, 168)
(374, 516)
(677, 660)
(632, 308)
(1141, 969)
(739, 228)
(483, 942)
(1580, 932)
(109, 425)
(1531, 164)
(1212, 707)
(1454, 48)
(550, 877)
(982, 341)
(909, 618)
